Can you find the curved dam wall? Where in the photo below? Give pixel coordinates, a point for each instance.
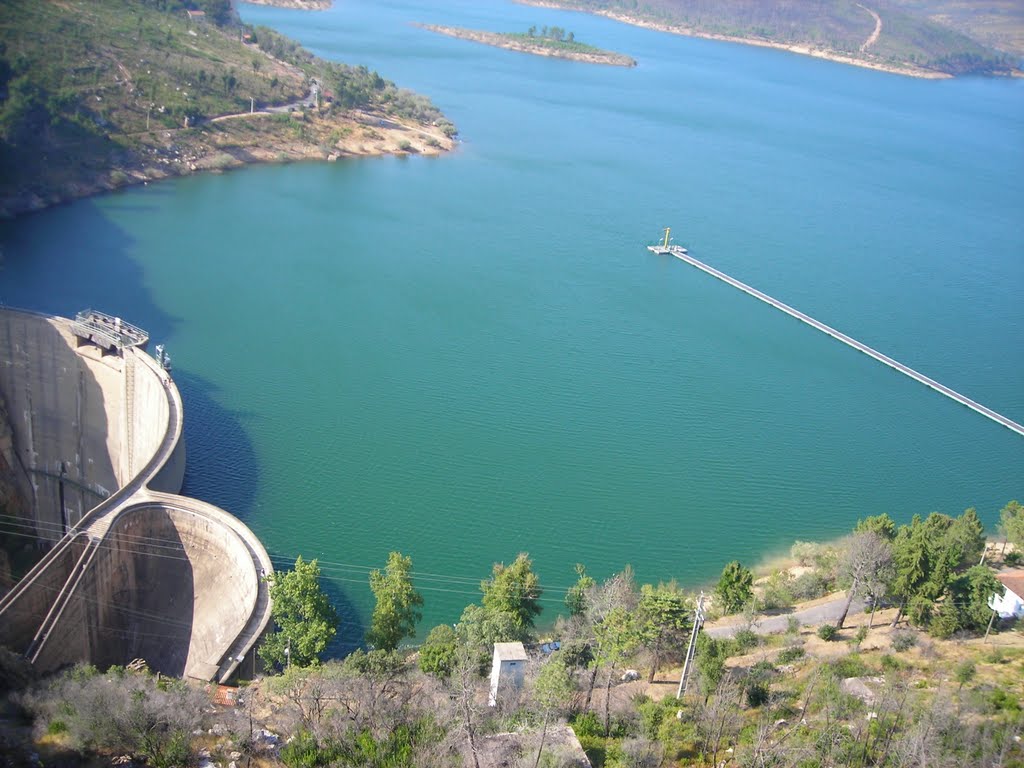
(160, 586)
(62, 419)
(132, 570)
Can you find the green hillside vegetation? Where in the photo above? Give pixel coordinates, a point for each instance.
(91, 90)
(996, 23)
(840, 26)
(555, 38)
(919, 679)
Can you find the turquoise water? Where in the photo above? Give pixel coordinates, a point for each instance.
(469, 356)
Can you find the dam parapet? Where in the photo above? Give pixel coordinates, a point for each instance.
(133, 570)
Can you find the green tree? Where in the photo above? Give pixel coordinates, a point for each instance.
(397, 611)
(735, 587)
(882, 525)
(663, 621)
(514, 590)
(576, 596)
(479, 627)
(1011, 523)
(439, 651)
(971, 591)
(967, 536)
(304, 618)
(709, 660)
(551, 690)
(617, 640)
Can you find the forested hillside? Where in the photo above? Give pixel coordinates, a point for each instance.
(843, 27)
(93, 92)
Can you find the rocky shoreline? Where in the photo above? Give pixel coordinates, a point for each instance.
(234, 141)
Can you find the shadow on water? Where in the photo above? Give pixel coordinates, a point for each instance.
(351, 630)
(73, 257)
(221, 465)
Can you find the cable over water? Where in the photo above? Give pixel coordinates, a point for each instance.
(680, 253)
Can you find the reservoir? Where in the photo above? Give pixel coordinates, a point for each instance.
(470, 356)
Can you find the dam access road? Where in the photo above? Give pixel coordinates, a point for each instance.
(91, 440)
(680, 253)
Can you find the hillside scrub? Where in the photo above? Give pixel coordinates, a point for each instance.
(838, 26)
(94, 95)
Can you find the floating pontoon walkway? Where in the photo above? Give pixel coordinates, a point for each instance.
(680, 253)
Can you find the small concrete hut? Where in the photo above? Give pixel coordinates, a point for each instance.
(507, 669)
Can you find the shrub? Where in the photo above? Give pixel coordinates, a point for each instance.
(828, 632)
(776, 592)
(860, 636)
(903, 640)
(804, 552)
(746, 639)
(587, 726)
(1014, 558)
(757, 694)
(787, 655)
(891, 664)
(792, 625)
(849, 666)
(808, 586)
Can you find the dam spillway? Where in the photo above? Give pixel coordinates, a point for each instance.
(681, 254)
(91, 438)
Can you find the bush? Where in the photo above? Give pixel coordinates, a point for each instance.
(791, 654)
(587, 726)
(828, 632)
(808, 586)
(891, 664)
(1014, 558)
(757, 694)
(776, 591)
(746, 639)
(849, 666)
(903, 640)
(804, 552)
(121, 712)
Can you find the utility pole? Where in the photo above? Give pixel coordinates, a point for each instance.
(698, 622)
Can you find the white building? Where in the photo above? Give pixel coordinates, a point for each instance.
(1011, 604)
(507, 669)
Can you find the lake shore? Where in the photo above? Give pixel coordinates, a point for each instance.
(511, 43)
(818, 53)
(234, 141)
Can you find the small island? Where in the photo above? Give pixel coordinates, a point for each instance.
(549, 41)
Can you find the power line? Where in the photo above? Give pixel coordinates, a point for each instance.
(343, 572)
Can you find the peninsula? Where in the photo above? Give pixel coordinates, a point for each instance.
(103, 95)
(906, 38)
(549, 41)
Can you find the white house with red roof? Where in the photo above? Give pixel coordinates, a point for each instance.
(1011, 604)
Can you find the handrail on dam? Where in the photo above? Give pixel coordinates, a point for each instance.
(681, 254)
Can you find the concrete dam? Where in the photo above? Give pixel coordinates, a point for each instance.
(92, 457)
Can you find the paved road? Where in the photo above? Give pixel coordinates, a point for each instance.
(813, 616)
